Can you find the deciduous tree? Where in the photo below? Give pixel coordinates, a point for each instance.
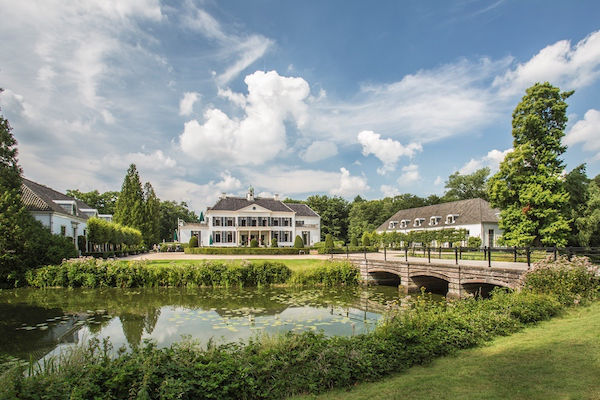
(469, 186)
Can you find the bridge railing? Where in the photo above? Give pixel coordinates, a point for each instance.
(491, 255)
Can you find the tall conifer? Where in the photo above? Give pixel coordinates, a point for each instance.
(129, 210)
(151, 230)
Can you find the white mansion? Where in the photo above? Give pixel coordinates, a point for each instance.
(476, 216)
(235, 221)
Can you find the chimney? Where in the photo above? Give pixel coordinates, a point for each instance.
(276, 196)
(223, 195)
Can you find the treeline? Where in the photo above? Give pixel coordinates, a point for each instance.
(139, 208)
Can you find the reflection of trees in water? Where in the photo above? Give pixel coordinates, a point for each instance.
(134, 325)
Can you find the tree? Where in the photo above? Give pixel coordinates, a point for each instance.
(151, 227)
(366, 239)
(170, 212)
(576, 184)
(471, 186)
(274, 242)
(528, 187)
(298, 242)
(334, 215)
(129, 209)
(103, 202)
(588, 224)
(329, 241)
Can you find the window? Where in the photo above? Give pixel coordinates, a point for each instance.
(275, 221)
(216, 221)
(218, 237)
(451, 218)
(229, 222)
(63, 230)
(404, 223)
(419, 221)
(434, 220)
(393, 224)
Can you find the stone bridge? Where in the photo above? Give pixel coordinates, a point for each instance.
(454, 280)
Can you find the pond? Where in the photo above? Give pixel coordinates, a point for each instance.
(39, 323)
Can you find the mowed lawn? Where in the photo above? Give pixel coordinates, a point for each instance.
(294, 265)
(557, 359)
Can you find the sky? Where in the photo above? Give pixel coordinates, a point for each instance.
(293, 98)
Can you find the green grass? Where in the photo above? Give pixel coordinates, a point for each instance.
(557, 359)
(294, 265)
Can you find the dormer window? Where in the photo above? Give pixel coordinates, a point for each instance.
(419, 221)
(393, 224)
(404, 223)
(451, 218)
(434, 220)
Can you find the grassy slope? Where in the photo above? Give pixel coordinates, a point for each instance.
(557, 359)
(294, 265)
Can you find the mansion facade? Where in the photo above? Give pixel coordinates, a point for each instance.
(476, 216)
(235, 221)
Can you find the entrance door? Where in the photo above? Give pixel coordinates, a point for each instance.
(491, 238)
(306, 238)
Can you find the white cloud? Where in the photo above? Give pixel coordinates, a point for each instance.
(388, 151)
(186, 104)
(410, 174)
(570, 67)
(491, 160)
(244, 50)
(587, 132)
(282, 179)
(389, 191)
(261, 134)
(438, 181)
(350, 185)
(319, 150)
(155, 161)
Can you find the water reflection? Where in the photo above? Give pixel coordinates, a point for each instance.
(37, 323)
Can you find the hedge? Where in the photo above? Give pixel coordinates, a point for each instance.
(351, 249)
(245, 250)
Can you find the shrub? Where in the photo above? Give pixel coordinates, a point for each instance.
(570, 281)
(366, 239)
(298, 242)
(254, 243)
(353, 241)
(331, 273)
(329, 241)
(274, 242)
(243, 250)
(351, 249)
(193, 241)
(474, 241)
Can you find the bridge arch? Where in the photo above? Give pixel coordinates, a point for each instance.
(433, 282)
(385, 277)
(482, 287)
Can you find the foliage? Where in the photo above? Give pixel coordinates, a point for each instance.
(353, 241)
(298, 242)
(151, 216)
(334, 215)
(528, 188)
(474, 242)
(281, 366)
(254, 243)
(274, 242)
(588, 222)
(104, 232)
(103, 202)
(424, 238)
(331, 273)
(243, 250)
(570, 281)
(366, 239)
(193, 241)
(577, 185)
(329, 241)
(170, 212)
(129, 210)
(349, 249)
(468, 186)
(94, 273)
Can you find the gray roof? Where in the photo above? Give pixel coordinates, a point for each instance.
(302, 210)
(38, 197)
(237, 203)
(471, 211)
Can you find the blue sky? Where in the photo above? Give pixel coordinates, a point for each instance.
(295, 98)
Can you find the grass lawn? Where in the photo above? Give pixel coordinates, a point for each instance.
(294, 265)
(557, 359)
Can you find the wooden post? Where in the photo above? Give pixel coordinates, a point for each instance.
(347, 252)
(384, 254)
(429, 254)
(490, 257)
(528, 257)
(406, 254)
(515, 247)
(555, 253)
(456, 256)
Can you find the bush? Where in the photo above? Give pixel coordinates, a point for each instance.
(351, 249)
(193, 241)
(254, 243)
(329, 241)
(366, 239)
(474, 242)
(274, 242)
(283, 366)
(570, 281)
(331, 273)
(243, 250)
(353, 241)
(298, 242)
